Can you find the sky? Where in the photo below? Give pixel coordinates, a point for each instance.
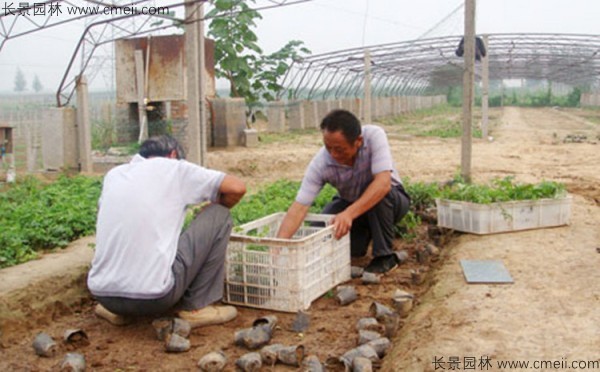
(323, 26)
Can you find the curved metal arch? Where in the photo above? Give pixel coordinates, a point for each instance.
(420, 65)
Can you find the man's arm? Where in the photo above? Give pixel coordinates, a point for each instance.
(232, 189)
(375, 192)
(292, 220)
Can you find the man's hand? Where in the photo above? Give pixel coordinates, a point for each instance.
(342, 223)
(374, 193)
(292, 220)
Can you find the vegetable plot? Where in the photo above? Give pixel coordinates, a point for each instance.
(36, 216)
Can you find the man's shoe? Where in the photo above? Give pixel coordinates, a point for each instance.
(208, 315)
(382, 264)
(112, 318)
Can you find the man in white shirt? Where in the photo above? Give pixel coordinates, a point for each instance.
(144, 264)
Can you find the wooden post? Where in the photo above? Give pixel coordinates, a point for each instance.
(485, 77)
(141, 96)
(367, 101)
(468, 89)
(84, 137)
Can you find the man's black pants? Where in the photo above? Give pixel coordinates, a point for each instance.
(376, 224)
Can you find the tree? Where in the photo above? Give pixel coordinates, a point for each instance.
(20, 83)
(37, 85)
(239, 59)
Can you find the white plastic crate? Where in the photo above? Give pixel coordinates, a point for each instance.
(284, 274)
(502, 217)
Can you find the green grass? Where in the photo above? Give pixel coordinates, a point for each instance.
(446, 128)
(441, 121)
(288, 137)
(591, 114)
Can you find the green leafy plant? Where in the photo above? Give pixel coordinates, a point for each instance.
(35, 216)
(273, 198)
(408, 225)
(502, 190)
(422, 194)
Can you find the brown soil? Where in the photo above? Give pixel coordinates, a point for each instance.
(550, 312)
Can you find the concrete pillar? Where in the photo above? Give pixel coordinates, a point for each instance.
(331, 105)
(344, 104)
(367, 93)
(84, 129)
(311, 118)
(322, 109)
(250, 137)
(295, 115)
(276, 116)
(396, 105)
(359, 106)
(229, 121)
(356, 107)
(376, 108)
(59, 139)
(388, 106)
(194, 149)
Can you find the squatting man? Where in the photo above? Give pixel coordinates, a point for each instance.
(144, 264)
(357, 161)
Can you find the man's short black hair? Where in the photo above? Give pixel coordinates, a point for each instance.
(344, 121)
(161, 146)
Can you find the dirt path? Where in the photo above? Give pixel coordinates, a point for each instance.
(550, 312)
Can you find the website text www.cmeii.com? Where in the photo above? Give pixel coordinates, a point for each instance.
(57, 9)
(485, 363)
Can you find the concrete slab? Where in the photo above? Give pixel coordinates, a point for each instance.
(485, 271)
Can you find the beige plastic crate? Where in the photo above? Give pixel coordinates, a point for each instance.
(284, 274)
(503, 217)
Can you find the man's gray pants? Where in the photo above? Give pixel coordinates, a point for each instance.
(199, 268)
(376, 224)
